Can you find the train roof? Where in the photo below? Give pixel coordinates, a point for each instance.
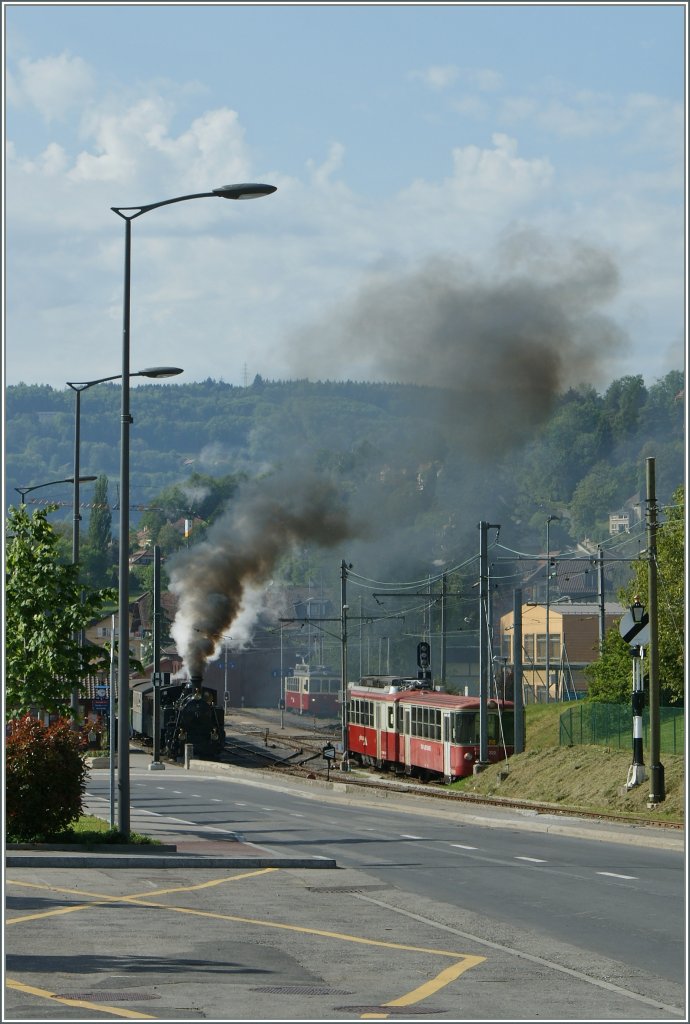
(430, 698)
(304, 669)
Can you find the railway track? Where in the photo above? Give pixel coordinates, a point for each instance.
(304, 760)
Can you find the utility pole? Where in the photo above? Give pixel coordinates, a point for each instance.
(602, 600)
(156, 762)
(444, 593)
(484, 652)
(518, 709)
(345, 764)
(549, 520)
(656, 769)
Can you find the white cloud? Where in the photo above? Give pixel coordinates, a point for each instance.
(321, 174)
(437, 77)
(485, 79)
(53, 85)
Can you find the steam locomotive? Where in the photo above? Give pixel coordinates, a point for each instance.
(189, 713)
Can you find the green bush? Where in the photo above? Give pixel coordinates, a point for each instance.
(45, 778)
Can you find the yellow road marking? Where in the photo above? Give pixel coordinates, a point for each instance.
(445, 977)
(33, 991)
(103, 899)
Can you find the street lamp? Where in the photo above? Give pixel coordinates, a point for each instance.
(549, 520)
(78, 387)
(128, 214)
(49, 483)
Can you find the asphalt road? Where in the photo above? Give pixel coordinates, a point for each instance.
(431, 913)
(614, 899)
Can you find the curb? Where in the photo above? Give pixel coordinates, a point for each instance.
(54, 860)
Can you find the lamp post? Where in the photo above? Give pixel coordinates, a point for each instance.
(49, 483)
(78, 387)
(549, 520)
(128, 214)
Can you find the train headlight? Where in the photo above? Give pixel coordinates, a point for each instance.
(469, 756)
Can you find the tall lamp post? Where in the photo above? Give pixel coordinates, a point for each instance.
(549, 520)
(49, 483)
(128, 214)
(78, 387)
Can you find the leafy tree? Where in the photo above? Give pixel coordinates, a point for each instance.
(610, 677)
(670, 599)
(45, 608)
(96, 558)
(45, 778)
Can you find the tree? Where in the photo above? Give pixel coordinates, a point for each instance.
(97, 558)
(670, 543)
(45, 608)
(611, 676)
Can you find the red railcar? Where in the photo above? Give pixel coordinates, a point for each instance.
(312, 690)
(407, 726)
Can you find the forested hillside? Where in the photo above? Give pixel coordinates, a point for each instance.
(416, 485)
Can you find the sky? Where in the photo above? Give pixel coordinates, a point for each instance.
(423, 154)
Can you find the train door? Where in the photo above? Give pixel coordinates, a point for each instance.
(407, 759)
(379, 725)
(446, 735)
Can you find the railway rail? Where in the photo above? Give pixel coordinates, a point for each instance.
(314, 742)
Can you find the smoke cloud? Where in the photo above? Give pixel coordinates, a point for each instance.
(216, 582)
(499, 348)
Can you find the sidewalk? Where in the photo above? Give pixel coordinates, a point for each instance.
(183, 845)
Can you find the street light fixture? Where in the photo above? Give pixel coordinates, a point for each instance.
(49, 483)
(78, 387)
(549, 520)
(128, 214)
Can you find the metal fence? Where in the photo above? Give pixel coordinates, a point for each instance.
(610, 725)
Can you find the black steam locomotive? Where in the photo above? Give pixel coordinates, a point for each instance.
(189, 713)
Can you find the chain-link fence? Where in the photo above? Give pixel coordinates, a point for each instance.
(610, 725)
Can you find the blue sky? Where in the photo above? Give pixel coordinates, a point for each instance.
(497, 142)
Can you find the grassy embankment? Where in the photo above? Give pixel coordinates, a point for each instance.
(586, 778)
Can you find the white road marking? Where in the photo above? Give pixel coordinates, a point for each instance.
(403, 836)
(612, 874)
(533, 860)
(460, 846)
(541, 962)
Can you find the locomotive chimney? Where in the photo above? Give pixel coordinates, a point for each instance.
(193, 687)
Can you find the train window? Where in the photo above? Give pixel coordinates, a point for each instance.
(466, 727)
(426, 722)
(391, 717)
(496, 737)
(361, 712)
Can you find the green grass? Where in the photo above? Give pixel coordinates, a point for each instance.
(587, 778)
(93, 831)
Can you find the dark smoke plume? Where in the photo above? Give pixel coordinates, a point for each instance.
(500, 350)
(240, 552)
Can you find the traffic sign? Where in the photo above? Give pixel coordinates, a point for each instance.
(635, 633)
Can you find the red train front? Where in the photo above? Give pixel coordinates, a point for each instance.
(405, 725)
(312, 690)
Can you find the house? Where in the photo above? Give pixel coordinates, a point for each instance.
(573, 644)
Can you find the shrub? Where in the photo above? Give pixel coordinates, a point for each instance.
(45, 777)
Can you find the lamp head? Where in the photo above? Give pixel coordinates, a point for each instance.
(159, 371)
(637, 610)
(248, 190)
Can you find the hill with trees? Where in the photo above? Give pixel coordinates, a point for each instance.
(414, 485)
